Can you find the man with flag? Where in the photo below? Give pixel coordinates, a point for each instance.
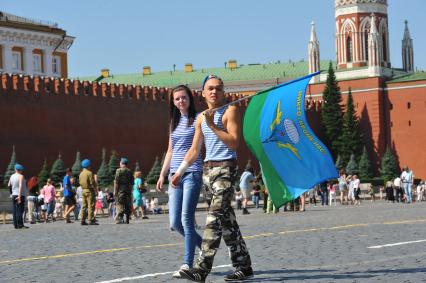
(292, 158)
(219, 127)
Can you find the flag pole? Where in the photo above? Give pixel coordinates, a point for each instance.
(266, 90)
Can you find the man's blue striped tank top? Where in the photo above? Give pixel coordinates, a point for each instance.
(216, 150)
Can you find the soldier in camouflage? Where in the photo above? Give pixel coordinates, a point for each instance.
(219, 128)
(90, 190)
(123, 183)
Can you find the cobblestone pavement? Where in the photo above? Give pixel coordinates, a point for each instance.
(322, 244)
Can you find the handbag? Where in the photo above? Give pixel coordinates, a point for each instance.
(142, 189)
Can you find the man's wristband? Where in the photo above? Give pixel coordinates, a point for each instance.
(182, 168)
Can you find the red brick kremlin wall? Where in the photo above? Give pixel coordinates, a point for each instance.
(386, 119)
(406, 105)
(43, 117)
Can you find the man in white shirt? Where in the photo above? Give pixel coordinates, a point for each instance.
(398, 189)
(356, 189)
(18, 187)
(246, 183)
(407, 182)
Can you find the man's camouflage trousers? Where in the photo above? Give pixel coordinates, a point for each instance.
(221, 220)
(123, 204)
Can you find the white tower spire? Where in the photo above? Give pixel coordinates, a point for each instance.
(314, 52)
(407, 51)
(374, 48)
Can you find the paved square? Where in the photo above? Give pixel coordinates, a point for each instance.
(374, 242)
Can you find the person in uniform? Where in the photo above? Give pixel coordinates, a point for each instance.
(123, 183)
(219, 127)
(90, 190)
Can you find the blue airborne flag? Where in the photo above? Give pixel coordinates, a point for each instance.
(292, 158)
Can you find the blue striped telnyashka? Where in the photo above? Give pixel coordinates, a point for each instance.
(216, 150)
(181, 141)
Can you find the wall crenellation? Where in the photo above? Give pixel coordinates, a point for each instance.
(15, 84)
(24, 84)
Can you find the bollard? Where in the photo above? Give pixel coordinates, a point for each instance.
(4, 217)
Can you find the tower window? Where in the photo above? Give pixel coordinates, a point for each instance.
(385, 54)
(409, 122)
(390, 106)
(366, 45)
(349, 48)
(408, 105)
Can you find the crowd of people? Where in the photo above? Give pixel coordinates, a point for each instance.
(345, 190)
(83, 200)
(49, 203)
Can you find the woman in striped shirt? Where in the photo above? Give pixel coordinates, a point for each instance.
(183, 198)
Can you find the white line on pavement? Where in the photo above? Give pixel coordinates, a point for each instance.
(151, 275)
(396, 244)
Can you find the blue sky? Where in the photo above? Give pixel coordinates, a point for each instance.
(126, 35)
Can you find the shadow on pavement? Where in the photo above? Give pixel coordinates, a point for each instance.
(284, 274)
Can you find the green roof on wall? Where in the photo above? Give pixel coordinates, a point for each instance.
(247, 72)
(411, 77)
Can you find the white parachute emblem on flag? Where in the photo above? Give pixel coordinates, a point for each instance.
(291, 130)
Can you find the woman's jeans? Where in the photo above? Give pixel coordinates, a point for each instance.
(183, 201)
(408, 192)
(50, 208)
(324, 197)
(255, 199)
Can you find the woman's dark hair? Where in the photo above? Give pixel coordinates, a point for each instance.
(175, 113)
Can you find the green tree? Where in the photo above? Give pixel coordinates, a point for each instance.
(365, 168)
(43, 175)
(104, 176)
(58, 170)
(331, 115)
(351, 138)
(10, 168)
(113, 163)
(154, 173)
(352, 167)
(339, 163)
(388, 166)
(76, 167)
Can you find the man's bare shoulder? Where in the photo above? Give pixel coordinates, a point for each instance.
(232, 111)
(200, 118)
